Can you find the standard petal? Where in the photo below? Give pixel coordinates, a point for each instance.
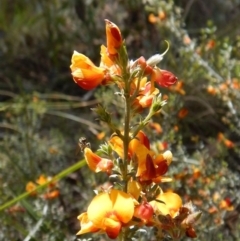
(98, 209)
(123, 205)
(171, 203)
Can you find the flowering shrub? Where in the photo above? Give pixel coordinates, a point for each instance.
(135, 198)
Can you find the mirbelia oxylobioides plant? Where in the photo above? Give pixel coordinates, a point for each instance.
(135, 199)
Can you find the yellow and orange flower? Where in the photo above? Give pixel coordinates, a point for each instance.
(117, 144)
(107, 212)
(97, 163)
(85, 73)
(30, 187)
(150, 166)
(147, 94)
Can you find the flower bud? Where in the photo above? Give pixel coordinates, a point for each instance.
(142, 62)
(167, 155)
(114, 37)
(163, 78)
(190, 232)
(154, 60)
(144, 211)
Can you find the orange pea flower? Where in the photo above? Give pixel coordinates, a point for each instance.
(156, 127)
(147, 94)
(30, 187)
(178, 88)
(163, 78)
(228, 143)
(51, 195)
(152, 18)
(114, 38)
(210, 44)
(97, 163)
(162, 15)
(226, 204)
(107, 212)
(85, 73)
(43, 179)
(212, 90)
(183, 113)
(117, 144)
(151, 166)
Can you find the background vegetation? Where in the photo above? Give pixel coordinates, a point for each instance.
(43, 113)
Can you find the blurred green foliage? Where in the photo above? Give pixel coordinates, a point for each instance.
(43, 112)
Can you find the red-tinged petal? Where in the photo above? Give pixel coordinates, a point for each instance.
(161, 168)
(91, 158)
(146, 101)
(148, 171)
(114, 37)
(105, 165)
(142, 137)
(97, 163)
(88, 79)
(140, 151)
(163, 78)
(112, 228)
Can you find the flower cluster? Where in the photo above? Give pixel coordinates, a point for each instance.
(135, 198)
(52, 191)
